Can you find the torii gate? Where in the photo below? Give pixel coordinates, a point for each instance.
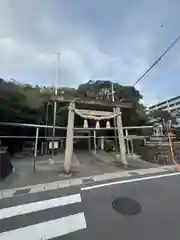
(95, 115)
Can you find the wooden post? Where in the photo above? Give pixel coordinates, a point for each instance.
(127, 141)
(69, 139)
(102, 143)
(95, 147)
(132, 149)
(89, 140)
(121, 137)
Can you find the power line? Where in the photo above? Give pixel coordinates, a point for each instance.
(162, 55)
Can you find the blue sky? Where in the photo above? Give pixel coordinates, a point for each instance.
(97, 39)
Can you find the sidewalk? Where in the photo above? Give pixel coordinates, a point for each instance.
(93, 181)
(83, 166)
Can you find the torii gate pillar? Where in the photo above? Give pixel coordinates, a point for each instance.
(121, 137)
(69, 138)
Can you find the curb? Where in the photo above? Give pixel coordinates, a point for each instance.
(81, 181)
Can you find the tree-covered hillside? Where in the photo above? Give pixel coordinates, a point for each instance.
(27, 104)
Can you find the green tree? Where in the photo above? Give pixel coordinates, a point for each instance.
(161, 116)
(26, 103)
(103, 90)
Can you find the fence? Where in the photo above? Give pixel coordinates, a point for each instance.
(158, 150)
(96, 138)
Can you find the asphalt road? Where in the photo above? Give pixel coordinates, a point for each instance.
(149, 209)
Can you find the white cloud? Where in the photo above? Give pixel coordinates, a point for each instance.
(115, 40)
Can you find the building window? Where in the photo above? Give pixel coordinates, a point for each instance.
(162, 108)
(171, 105)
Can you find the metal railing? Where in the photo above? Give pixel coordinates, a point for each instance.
(128, 138)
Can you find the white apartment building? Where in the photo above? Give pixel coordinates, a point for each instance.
(171, 105)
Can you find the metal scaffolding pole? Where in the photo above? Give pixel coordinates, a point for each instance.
(115, 123)
(35, 149)
(55, 109)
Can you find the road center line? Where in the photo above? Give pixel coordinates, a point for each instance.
(37, 206)
(48, 230)
(129, 181)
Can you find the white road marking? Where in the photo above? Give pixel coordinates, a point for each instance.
(47, 230)
(38, 206)
(129, 181)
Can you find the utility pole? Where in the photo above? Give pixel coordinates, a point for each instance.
(55, 106)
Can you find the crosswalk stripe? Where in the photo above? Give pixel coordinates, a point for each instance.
(49, 229)
(38, 206)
